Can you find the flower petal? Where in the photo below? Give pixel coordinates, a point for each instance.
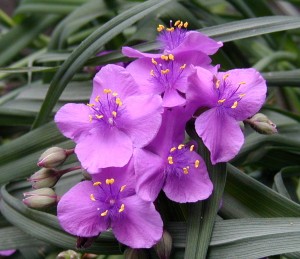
(190, 187)
(141, 118)
(220, 133)
(149, 174)
(103, 148)
(78, 214)
(140, 225)
(133, 53)
(172, 98)
(73, 120)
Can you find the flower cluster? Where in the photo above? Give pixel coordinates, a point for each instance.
(130, 137)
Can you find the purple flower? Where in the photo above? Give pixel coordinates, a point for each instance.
(228, 98)
(168, 164)
(118, 118)
(7, 252)
(110, 201)
(167, 73)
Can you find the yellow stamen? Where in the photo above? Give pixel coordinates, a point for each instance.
(118, 101)
(164, 57)
(186, 24)
(90, 104)
(110, 181)
(180, 25)
(192, 148)
(92, 197)
(181, 146)
(122, 208)
(97, 183)
(218, 84)
(185, 170)
(170, 29)
(235, 104)
(166, 71)
(171, 57)
(160, 28)
(97, 98)
(90, 118)
(225, 76)
(153, 61)
(242, 83)
(122, 188)
(197, 163)
(172, 149)
(183, 66)
(242, 95)
(114, 113)
(99, 116)
(170, 160)
(221, 100)
(177, 22)
(107, 91)
(152, 72)
(104, 213)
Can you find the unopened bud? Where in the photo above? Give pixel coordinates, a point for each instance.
(131, 253)
(45, 177)
(53, 157)
(69, 254)
(40, 199)
(85, 242)
(164, 246)
(261, 123)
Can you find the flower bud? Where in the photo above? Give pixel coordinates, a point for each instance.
(164, 246)
(131, 253)
(69, 254)
(40, 199)
(261, 123)
(53, 157)
(45, 177)
(85, 242)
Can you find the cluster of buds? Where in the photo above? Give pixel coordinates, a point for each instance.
(45, 178)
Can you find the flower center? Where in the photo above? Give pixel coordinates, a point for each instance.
(106, 108)
(228, 94)
(180, 161)
(173, 36)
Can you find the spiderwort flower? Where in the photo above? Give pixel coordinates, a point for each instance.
(167, 73)
(168, 164)
(118, 118)
(109, 201)
(229, 97)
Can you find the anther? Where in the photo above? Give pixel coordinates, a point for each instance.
(170, 29)
(97, 98)
(114, 113)
(183, 66)
(104, 213)
(192, 148)
(122, 188)
(107, 91)
(122, 208)
(90, 118)
(186, 24)
(197, 163)
(225, 76)
(97, 183)
(217, 83)
(164, 57)
(185, 170)
(160, 28)
(92, 197)
(171, 56)
(181, 146)
(152, 72)
(90, 104)
(99, 116)
(110, 181)
(153, 61)
(170, 160)
(180, 25)
(235, 104)
(241, 95)
(166, 71)
(242, 83)
(177, 22)
(118, 101)
(221, 100)
(172, 149)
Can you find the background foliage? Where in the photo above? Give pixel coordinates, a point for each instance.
(48, 56)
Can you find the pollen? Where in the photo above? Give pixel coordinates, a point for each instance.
(90, 104)
(221, 100)
(114, 113)
(177, 22)
(152, 72)
(170, 160)
(241, 95)
(97, 98)
(97, 183)
(110, 181)
(172, 149)
(99, 116)
(164, 57)
(185, 170)
(90, 118)
(122, 208)
(170, 29)
(118, 101)
(186, 24)
(181, 146)
(235, 104)
(197, 163)
(103, 214)
(192, 147)
(160, 28)
(153, 61)
(166, 71)
(217, 84)
(107, 91)
(171, 57)
(180, 25)
(225, 76)
(242, 83)
(183, 66)
(122, 188)
(92, 197)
